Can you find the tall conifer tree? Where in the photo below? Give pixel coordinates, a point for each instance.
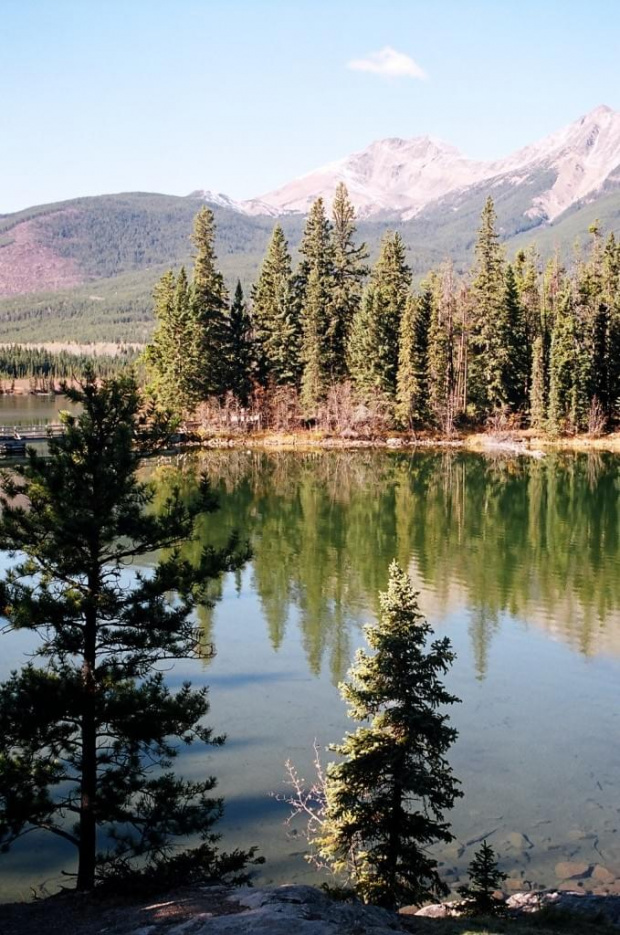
(348, 274)
(209, 305)
(240, 348)
(275, 316)
(315, 283)
(488, 363)
(412, 406)
(171, 357)
(380, 316)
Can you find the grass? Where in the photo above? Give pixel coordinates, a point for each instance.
(545, 922)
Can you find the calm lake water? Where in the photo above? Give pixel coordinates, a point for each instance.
(516, 560)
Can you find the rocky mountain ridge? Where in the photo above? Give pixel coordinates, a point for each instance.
(399, 178)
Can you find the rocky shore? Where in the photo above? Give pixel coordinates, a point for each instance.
(294, 910)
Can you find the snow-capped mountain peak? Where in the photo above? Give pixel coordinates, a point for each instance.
(400, 177)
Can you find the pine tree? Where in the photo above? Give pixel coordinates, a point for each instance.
(209, 306)
(349, 271)
(485, 878)
(488, 363)
(275, 316)
(315, 283)
(412, 383)
(89, 731)
(386, 799)
(239, 349)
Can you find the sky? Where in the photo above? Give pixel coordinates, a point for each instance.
(241, 96)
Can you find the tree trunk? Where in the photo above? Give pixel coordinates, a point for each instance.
(88, 816)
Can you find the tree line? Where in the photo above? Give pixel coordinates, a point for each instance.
(504, 340)
(21, 361)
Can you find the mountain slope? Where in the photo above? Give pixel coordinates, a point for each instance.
(85, 269)
(402, 177)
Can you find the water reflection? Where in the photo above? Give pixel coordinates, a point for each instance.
(516, 560)
(535, 539)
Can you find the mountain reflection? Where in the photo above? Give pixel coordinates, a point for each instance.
(533, 539)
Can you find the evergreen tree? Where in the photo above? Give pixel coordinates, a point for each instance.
(386, 799)
(209, 306)
(363, 359)
(485, 878)
(569, 370)
(88, 732)
(391, 277)
(517, 359)
(412, 383)
(538, 392)
(489, 359)
(171, 358)
(275, 316)
(528, 286)
(240, 350)
(315, 283)
(441, 381)
(349, 271)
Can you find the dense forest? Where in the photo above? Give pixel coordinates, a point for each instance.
(334, 341)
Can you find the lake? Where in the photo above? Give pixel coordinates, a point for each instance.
(517, 560)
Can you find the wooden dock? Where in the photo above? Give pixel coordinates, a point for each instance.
(13, 438)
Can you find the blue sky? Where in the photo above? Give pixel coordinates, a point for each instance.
(240, 96)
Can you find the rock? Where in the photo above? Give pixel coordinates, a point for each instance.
(572, 870)
(576, 835)
(519, 841)
(602, 874)
(394, 442)
(303, 910)
(436, 911)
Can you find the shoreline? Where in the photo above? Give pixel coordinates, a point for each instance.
(522, 443)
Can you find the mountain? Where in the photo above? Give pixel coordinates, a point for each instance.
(400, 178)
(85, 269)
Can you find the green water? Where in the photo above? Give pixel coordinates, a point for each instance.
(517, 560)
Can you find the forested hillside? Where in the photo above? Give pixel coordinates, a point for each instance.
(85, 269)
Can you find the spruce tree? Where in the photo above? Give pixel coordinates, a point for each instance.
(441, 382)
(349, 271)
(538, 391)
(239, 349)
(488, 363)
(363, 359)
(209, 305)
(386, 799)
(412, 383)
(569, 370)
(485, 878)
(517, 363)
(275, 316)
(171, 358)
(88, 728)
(391, 277)
(315, 283)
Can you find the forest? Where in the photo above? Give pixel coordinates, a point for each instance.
(334, 342)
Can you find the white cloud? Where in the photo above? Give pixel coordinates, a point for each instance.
(390, 63)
